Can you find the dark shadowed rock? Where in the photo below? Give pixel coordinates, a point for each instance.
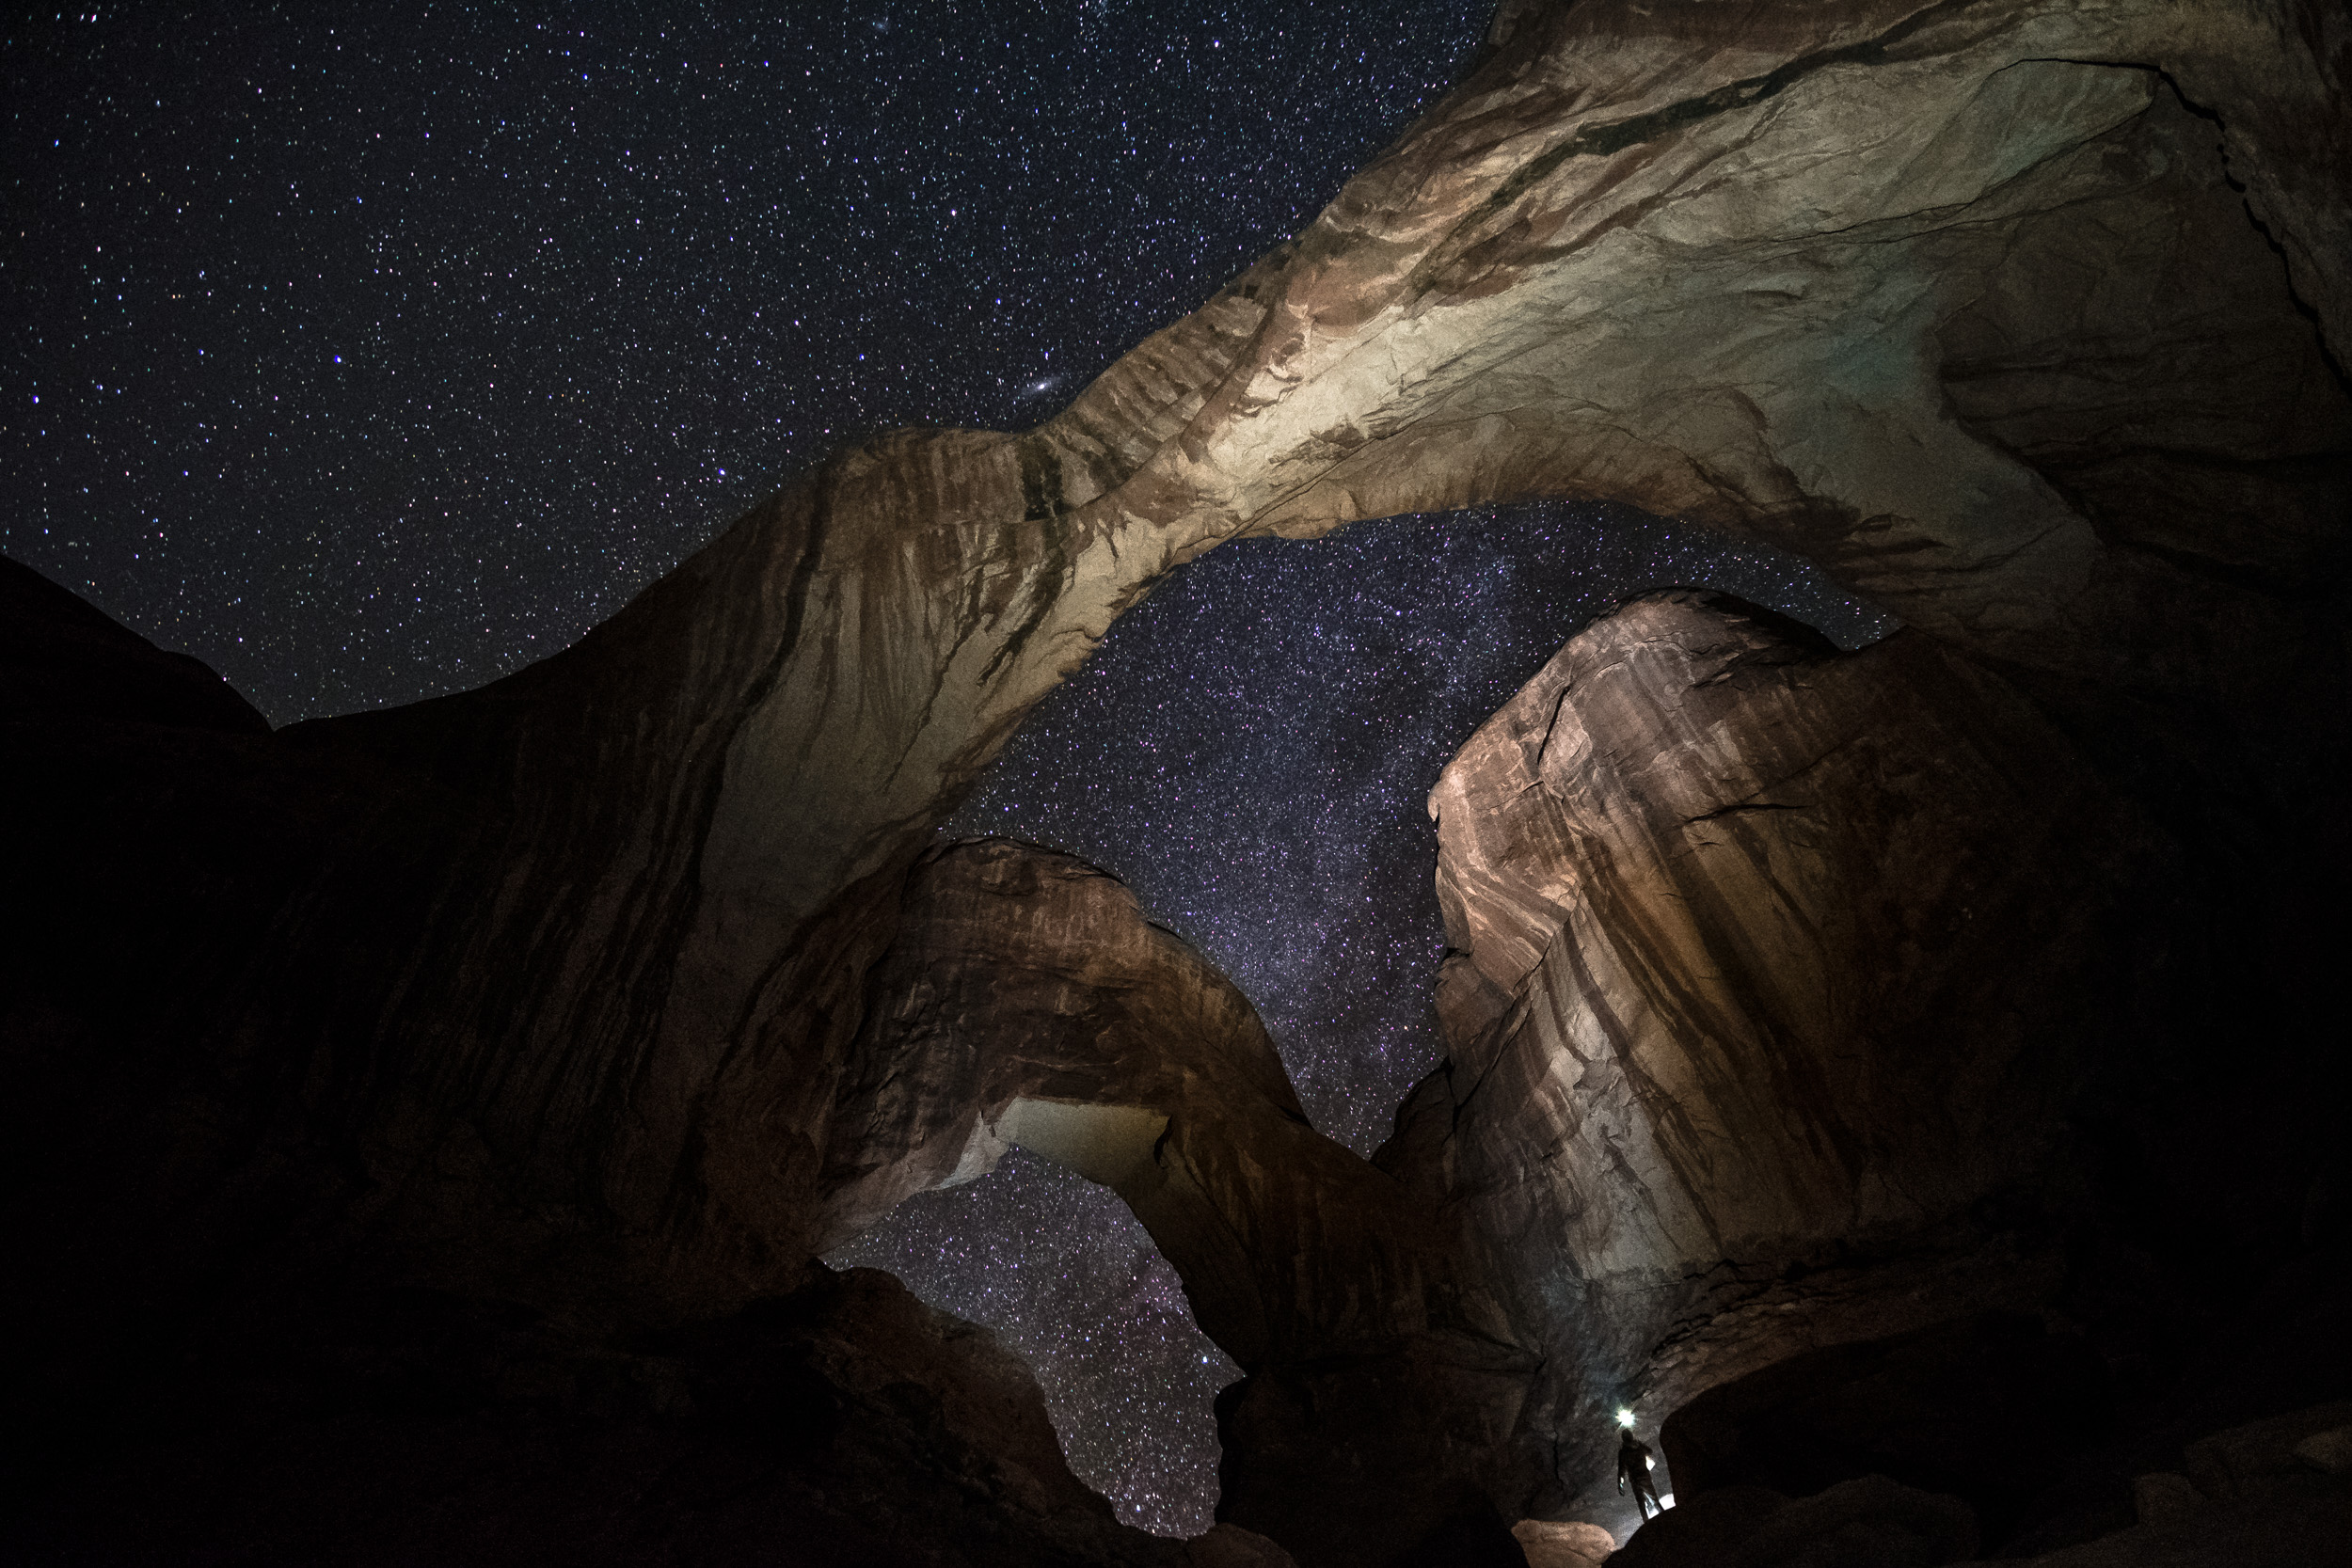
(2166, 1497)
(2328, 1452)
(845, 1423)
(1870, 1522)
(65, 663)
(1986, 1408)
(2293, 1536)
(1232, 1546)
(2261, 1460)
(1708, 1529)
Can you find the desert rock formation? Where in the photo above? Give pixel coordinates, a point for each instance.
(1799, 998)
(1760, 954)
(1026, 999)
(2026, 320)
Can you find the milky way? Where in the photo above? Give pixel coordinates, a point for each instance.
(370, 355)
(1250, 750)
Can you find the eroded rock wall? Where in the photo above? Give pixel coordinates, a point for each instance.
(551, 991)
(1924, 292)
(1028, 999)
(1786, 995)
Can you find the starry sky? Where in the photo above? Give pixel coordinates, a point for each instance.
(1268, 804)
(369, 354)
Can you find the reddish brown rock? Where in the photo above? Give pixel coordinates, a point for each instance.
(1784, 984)
(1923, 293)
(550, 993)
(1028, 1000)
(1764, 957)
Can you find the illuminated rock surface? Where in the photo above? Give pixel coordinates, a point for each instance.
(1746, 934)
(556, 994)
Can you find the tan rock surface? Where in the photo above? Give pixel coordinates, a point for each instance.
(1889, 284)
(1565, 1545)
(551, 991)
(1762, 955)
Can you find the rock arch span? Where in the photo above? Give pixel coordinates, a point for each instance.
(554, 992)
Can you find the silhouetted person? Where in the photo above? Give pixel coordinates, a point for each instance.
(1633, 1464)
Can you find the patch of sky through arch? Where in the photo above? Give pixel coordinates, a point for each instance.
(1250, 750)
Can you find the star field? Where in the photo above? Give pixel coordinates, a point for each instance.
(1251, 750)
(370, 354)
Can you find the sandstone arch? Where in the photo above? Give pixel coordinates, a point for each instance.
(555, 991)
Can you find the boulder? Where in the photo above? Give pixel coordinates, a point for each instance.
(1566, 1544)
(2261, 1460)
(2292, 1534)
(1989, 1409)
(2165, 1498)
(1708, 1529)
(1232, 1546)
(2330, 1451)
(1870, 1522)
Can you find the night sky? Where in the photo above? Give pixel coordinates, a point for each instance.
(1250, 750)
(371, 354)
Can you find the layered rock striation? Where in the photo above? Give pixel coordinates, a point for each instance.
(1028, 1000)
(2026, 320)
(1787, 1000)
(1935, 295)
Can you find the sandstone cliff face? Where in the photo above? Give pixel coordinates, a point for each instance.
(1765, 928)
(1761, 953)
(555, 992)
(1786, 994)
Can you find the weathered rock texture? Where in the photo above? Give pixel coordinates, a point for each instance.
(1026, 999)
(846, 1422)
(2024, 319)
(1762, 953)
(1788, 996)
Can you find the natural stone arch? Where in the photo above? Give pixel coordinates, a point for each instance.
(592, 1041)
(1028, 1000)
(672, 852)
